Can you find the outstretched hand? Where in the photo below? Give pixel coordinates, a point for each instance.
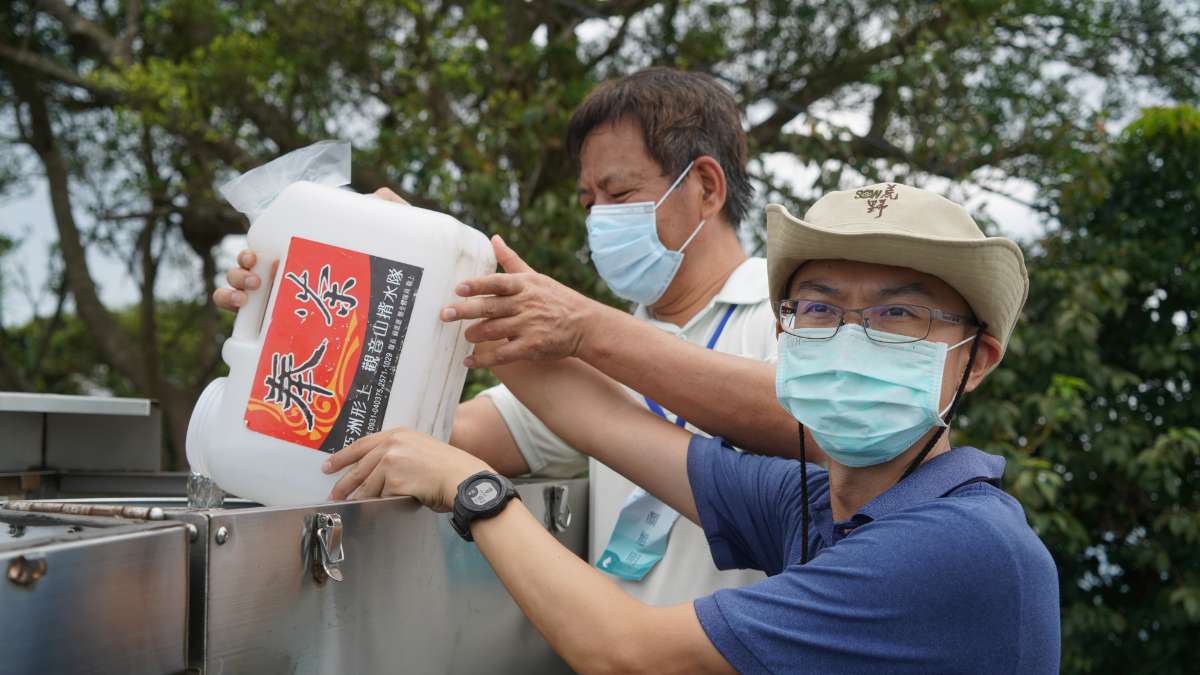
(535, 316)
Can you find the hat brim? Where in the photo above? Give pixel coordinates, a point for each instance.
(989, 273)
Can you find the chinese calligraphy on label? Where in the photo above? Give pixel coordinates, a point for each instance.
(325, 383)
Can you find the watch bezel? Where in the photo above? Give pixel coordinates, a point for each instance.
(465, 512)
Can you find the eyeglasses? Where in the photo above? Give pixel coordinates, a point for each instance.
(816, 320)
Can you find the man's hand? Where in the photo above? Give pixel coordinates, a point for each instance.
(536, 317)
(402, 462)
(241, 279)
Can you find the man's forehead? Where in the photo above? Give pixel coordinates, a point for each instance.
(605, 176)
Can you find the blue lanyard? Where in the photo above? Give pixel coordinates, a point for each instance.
(712, 341)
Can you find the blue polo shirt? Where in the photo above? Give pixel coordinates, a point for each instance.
(939, 574)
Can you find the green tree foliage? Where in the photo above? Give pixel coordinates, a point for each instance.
(1096, 407)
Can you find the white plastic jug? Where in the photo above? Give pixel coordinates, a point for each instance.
(345, 341)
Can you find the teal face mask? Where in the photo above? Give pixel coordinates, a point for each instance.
(864, 402)
(627, 251)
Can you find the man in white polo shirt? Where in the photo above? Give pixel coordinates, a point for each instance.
(662, 160)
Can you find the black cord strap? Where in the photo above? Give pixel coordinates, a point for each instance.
(803, 496)
(962, 385)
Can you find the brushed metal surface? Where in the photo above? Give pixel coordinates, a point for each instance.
(109, 604)
(415, 597)
(130, 442)
(20, 441)
(63, 403)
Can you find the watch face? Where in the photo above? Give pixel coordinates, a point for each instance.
(482, 493)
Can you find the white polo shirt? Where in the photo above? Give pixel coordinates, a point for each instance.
(686, 571)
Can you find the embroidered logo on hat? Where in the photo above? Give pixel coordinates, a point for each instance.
(877, 198)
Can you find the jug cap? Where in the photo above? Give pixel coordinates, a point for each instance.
(323, 162)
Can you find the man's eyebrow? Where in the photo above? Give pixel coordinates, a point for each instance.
(817, 287)
(603, 183)
(915, 288)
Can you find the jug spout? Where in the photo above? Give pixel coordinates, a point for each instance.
(204, 493)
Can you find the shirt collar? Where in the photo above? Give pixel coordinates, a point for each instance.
(746, 286)
(934, 479)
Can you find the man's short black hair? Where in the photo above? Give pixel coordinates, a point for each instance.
(683, 115)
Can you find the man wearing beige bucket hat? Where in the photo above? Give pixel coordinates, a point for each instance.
(904, 556)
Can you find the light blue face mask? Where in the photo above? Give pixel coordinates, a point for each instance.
(864, 402)
(627, 251)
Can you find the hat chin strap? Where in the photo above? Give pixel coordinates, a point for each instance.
(953, 408)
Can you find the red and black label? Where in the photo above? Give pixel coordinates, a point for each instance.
(337, 330)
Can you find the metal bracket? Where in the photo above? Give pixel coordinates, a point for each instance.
(558, 507)
(325, 547)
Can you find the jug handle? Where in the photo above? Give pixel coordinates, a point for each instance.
(248, 323)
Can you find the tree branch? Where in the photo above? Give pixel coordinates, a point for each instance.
(77, 24)
(838, 73)
(48, 68)
(113, 341)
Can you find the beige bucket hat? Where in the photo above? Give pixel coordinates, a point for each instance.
(894, 224)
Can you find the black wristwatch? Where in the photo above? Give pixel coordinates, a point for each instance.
(483, 495)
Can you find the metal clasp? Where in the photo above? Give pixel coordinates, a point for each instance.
(558, 507)
(327, 552)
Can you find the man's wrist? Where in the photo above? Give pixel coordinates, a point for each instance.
(595, 321)
(456, 478)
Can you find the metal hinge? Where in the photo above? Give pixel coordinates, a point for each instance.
(558, 507)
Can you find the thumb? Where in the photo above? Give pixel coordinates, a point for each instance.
(508, 258)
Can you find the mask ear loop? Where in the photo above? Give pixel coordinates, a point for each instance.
(803, 497)
(694, 233)
(674, 185)
(962, 385)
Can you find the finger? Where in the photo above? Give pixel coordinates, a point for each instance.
(510, 352)
(373, 485)
(505, 328)
(228, 299)
(354, 478)
(388, 195)
(242, 279)
(508, 258)
(481, 308)
(353, 452)
(246, 259)
(492, 284)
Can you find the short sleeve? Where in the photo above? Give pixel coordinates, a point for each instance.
(749, 505)
(917, 593)
(546, 454)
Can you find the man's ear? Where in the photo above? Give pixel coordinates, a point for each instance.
(712, 186)
(986, 359)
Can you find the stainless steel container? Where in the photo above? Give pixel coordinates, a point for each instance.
(377, 586)
(108, 571)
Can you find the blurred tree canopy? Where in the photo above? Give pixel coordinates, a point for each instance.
(131, 111)
(1096, 404)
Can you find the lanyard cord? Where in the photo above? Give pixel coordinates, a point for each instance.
(712, 342)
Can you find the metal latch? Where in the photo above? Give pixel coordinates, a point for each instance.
(558, 507)
(326, 547)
